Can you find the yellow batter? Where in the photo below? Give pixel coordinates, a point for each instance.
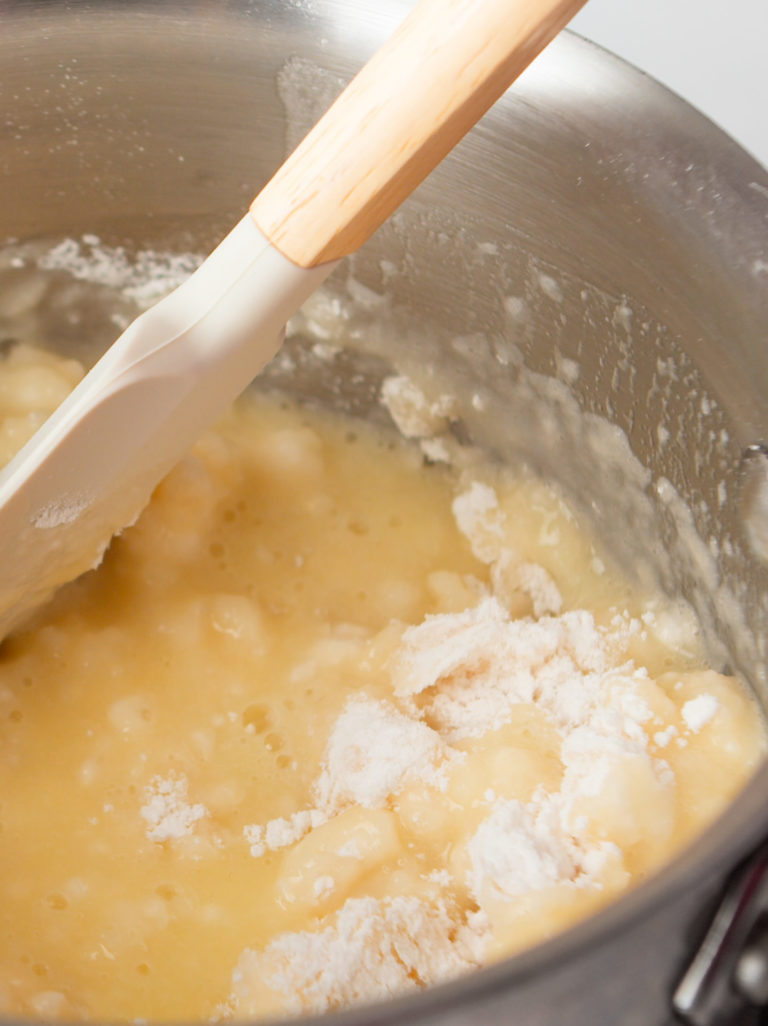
(309, 619)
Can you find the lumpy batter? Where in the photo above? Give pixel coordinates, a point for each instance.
(330, 722)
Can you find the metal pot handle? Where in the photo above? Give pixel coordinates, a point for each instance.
(726, 983)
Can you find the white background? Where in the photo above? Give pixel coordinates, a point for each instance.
(714, 53)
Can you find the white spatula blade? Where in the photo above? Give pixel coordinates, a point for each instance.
(138, 411)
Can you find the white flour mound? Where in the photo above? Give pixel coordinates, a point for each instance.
(458, 676)
(522, 848)
(372, 751)
(369, 950)
(464, 673)
(473, 667)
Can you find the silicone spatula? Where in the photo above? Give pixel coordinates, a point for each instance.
(92, 467)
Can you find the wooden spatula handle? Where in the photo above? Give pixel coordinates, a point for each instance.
(409, 105)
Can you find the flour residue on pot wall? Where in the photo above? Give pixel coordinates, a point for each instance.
(622, 420)
(306, 92)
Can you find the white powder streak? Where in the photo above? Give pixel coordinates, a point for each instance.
(168, 811)
(282, 832)
(144, 277)
(699, 711)
(480, 519)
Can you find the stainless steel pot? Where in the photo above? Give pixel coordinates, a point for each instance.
(594, 253)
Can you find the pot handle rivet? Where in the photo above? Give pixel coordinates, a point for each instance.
(751, 973)
(726, 981)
